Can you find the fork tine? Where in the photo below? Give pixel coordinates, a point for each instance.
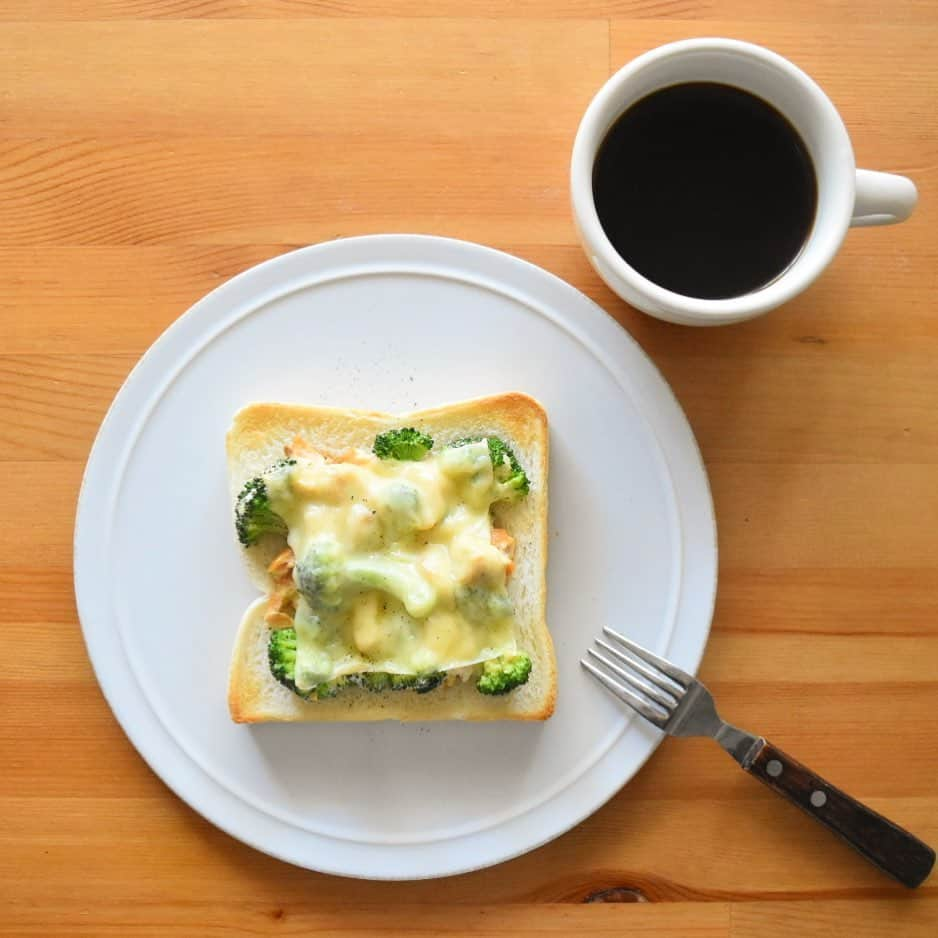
(659, 680)
(638, 704)
(676, 674)
(649, 690)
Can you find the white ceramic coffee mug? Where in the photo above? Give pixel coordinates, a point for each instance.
(846, 195)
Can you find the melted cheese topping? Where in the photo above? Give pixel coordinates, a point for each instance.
(395, 564)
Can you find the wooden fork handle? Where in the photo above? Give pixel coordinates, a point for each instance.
(894, 850)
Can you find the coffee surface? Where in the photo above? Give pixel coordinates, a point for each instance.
(705, 189)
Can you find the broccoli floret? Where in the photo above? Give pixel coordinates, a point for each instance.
(375, 681)
(326, 580)
(320, 577)
(501, 675)
(400, 510)
(378, 681)
(281, 653)
(420, 683)
(330, 688)
(481, 606)
(406, 443)
(254, 516)
(397, 579)
(512, 478)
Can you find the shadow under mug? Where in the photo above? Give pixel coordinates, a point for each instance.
(847, 196)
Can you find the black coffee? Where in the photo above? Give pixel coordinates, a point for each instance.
(705, 189)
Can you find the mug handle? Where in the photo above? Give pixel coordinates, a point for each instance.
(882, 199)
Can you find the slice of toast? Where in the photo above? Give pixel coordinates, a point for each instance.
(256, 440)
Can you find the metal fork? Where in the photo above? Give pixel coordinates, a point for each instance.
(680, 705)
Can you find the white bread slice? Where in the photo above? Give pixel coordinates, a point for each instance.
(256, 440)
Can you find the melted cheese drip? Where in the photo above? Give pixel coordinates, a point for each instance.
(395, 563)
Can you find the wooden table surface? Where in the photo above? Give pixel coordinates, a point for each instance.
(150, 150)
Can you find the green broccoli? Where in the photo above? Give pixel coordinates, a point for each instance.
(375, 681)
(396, 578)
(406, 443)
(510, 475)
(326, 580)
(501, 675)
(281, 653)
(320, 577)
(378, 681)
(400, 510)
(330, 688)
(419, 683)
(481, 606)
(254, 516)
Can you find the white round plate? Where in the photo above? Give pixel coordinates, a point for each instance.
(393, 323)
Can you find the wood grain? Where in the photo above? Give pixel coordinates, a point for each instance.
(837, 11)
(151, 149)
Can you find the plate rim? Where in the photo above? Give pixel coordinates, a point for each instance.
(175, 777)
